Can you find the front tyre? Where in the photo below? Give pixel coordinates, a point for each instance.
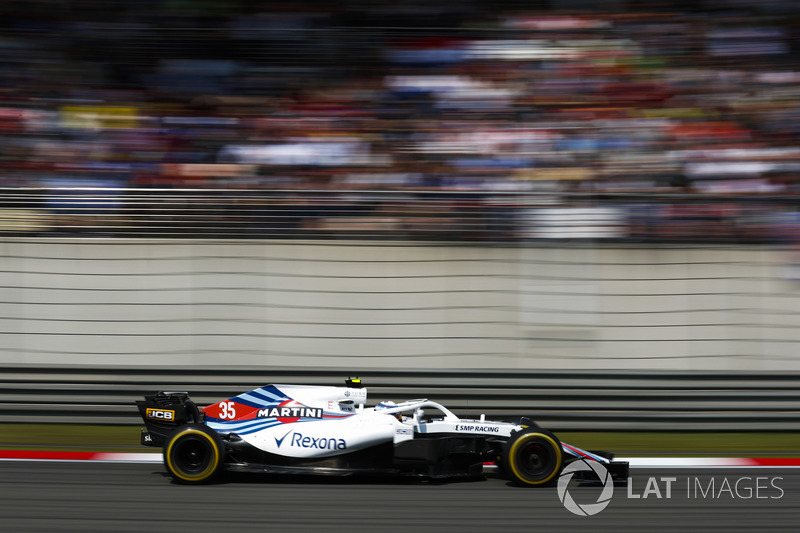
(194, 454)
(533, 458)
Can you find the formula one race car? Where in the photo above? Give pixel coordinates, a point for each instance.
(328, 430)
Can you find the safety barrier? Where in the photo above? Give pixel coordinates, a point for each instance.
(156, 303)
(562, 400)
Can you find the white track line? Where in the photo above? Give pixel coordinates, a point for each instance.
(634, 462)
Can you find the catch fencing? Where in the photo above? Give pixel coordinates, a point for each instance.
(434, 216)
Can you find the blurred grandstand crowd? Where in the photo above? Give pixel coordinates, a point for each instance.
(681, 115)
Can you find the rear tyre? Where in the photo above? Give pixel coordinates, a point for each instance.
(533, 458)
(193, 454)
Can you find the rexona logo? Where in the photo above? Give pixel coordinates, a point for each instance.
(298, 440)
(603, 499)
(160, 414)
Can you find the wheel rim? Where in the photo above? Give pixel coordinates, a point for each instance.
(192, 455)
(535, 460)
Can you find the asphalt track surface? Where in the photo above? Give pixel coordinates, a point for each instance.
(112, 497)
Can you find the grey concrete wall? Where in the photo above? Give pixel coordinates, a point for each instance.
(151, 303)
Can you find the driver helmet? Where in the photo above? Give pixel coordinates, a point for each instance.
(388, 404)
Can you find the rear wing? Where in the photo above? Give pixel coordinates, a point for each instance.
(162, 412)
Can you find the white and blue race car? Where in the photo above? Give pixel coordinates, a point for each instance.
(300, 429)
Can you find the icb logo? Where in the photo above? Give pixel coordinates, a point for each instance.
(587, 509)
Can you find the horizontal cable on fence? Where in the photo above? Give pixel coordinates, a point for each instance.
(416, 215)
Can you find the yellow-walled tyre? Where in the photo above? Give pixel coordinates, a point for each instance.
(193, 454)
(533, 458)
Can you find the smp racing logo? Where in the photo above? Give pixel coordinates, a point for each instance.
(586, 509)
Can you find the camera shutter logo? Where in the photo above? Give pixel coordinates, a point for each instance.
(587, 509)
